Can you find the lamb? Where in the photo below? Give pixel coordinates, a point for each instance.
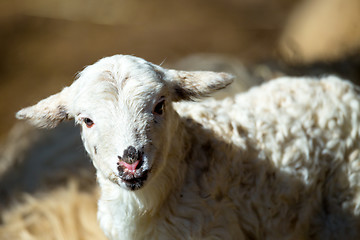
(281, 161)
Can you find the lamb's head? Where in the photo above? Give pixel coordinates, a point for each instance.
(123, 104)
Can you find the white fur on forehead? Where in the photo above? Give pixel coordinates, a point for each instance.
(117, 68)
(127, 73)
(117, 76)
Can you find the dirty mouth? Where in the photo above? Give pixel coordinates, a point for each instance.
(132, 174)
(135, 182)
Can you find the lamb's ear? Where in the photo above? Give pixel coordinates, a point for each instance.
(49, 112)
(196, 84)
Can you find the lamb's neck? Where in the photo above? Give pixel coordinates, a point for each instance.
(121, 211)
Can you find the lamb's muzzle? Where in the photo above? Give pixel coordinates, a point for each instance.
(132, 169)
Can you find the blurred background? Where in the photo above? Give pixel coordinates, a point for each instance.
(44, 43)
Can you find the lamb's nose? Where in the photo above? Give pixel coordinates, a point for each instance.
(131, 160)
(130, 155)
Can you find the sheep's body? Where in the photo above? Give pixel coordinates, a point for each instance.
(295, 170)
(281, 161)
(262, 165)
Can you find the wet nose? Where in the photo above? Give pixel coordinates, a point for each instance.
(130, 155)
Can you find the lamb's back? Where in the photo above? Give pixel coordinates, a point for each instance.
(286, 117)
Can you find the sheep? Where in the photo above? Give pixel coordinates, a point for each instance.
(281, 161)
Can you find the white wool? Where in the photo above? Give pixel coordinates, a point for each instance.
(280, 161)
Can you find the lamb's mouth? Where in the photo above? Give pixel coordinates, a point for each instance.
(135, 182)
(134, 179)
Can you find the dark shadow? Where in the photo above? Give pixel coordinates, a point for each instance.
(56, 156)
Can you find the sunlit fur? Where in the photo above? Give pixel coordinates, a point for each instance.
(281, 161)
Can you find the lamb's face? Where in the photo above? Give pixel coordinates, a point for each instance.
(123, 105)
(124, 115)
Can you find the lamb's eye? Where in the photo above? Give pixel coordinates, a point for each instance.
(89, 123)
(159, 107)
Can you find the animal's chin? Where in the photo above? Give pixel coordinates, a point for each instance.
(134, 181)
